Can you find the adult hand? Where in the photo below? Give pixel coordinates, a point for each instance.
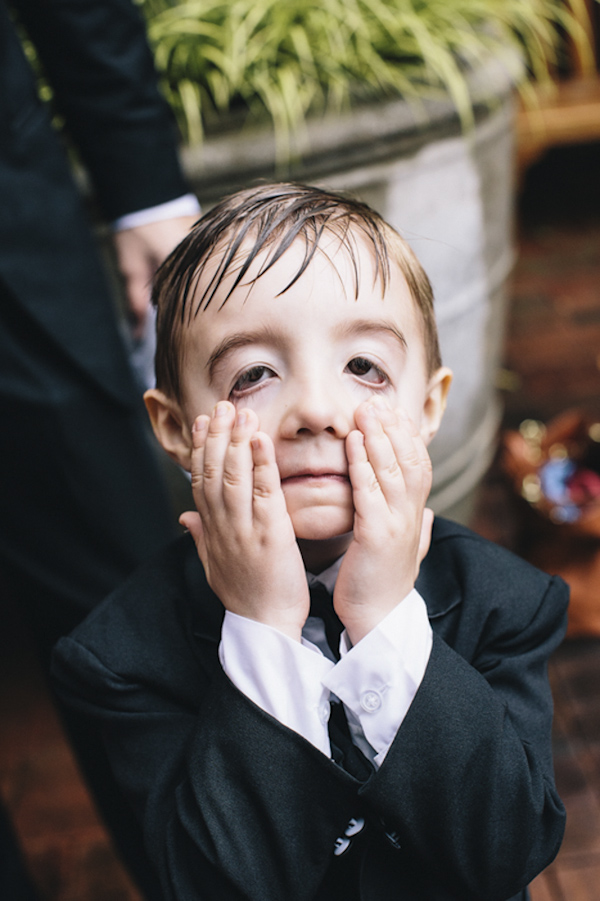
(140, 251)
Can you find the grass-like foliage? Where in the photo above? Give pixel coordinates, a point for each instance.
(282, 60)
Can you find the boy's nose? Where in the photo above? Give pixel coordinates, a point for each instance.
(318, 406)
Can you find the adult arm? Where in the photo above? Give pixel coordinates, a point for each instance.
(102, 73)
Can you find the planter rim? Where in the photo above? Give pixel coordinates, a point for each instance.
(330, 142)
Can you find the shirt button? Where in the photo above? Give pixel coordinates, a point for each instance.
(356, 825)
(341, 844)
(370, 701)
(324, 712)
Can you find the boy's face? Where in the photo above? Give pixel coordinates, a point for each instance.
(303, 361)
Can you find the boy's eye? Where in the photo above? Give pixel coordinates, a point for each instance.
(250, 378)
(367, 370)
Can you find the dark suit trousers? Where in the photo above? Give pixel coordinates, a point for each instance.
(82, 500)
(82, 504)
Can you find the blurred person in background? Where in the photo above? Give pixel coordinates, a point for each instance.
(79, 515)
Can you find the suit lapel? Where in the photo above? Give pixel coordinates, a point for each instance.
(200, 609)
(441, 595)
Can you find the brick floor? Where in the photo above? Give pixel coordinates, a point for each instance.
(575, 672)
(67, 849)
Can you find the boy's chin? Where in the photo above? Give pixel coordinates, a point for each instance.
(322, 523)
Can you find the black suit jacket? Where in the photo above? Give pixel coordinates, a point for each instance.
(78, 515)
(82, 500)
(97, 60)
(236, 806)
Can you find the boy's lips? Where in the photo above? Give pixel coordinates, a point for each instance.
(315, 475)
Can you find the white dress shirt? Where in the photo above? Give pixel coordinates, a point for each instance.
(295, 682)
(187, 205)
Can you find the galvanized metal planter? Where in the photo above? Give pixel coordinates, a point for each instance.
(451, 195)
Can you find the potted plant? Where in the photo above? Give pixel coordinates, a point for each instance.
(407, 103)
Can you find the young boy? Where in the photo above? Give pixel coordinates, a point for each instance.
(336, 702)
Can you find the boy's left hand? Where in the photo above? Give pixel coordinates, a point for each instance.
(390, 472)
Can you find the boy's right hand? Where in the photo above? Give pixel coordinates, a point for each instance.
(242, 530)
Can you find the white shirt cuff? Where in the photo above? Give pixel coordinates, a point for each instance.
(378, 678)
(282, 676)
(187, 205)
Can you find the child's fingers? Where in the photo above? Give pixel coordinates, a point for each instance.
(238, 465)
(388, 461)
(365, 485)
(199, 433)
(267, 496)
(396, 452)
(411, 452)
(373, 422)
(216, 443)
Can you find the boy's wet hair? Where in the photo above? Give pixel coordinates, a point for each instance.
(271, 217)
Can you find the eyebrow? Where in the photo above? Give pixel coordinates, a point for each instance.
(240, 339)
(360, 326)
(266, 335)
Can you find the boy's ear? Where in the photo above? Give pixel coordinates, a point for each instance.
(169, 426)
(435, 402)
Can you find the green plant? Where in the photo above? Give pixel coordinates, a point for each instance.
(285, 59)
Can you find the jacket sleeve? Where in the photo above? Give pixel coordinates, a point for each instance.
(468, 785)
(236, 806)
(97, 59)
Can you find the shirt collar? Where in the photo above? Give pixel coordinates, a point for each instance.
(327, 577)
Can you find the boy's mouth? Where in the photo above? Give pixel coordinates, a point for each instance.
(309, 476)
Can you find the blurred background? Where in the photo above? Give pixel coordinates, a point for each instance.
(516, 181)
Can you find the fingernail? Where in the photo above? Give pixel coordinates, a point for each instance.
(221, 409)
(379, 403)
(199, 424)
(242, 418)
